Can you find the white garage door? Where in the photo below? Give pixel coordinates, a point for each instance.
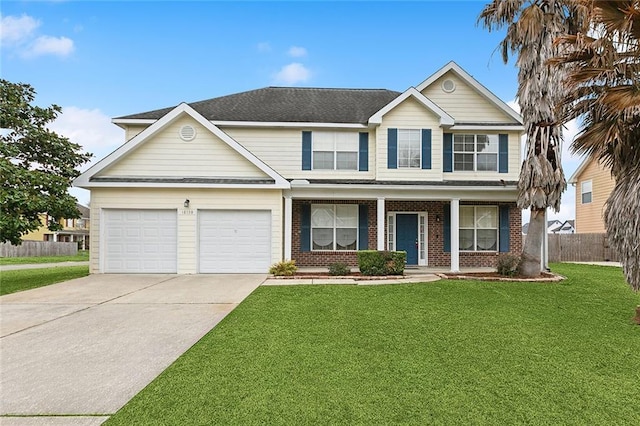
(233, 241)
(140, 241)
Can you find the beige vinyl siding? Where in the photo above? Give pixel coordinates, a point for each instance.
(133, 130)
(281, 149)
(218, 199)
(410, 114)
(514, 161)
(465, 104)
(165, 154)
(589, 217)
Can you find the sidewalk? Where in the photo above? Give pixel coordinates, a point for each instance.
(41, 265)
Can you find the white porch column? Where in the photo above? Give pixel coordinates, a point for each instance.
(55, 237)
(288, 215)
(455, 235)
(380, 245)
(544, 258)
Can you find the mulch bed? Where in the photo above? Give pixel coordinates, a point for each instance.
(494, 276)
(353, 275)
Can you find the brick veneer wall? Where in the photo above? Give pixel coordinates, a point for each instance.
(435, 248)
(324, 257)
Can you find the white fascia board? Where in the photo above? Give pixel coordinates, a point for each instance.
(265, 124)
(403, 192)
(497, 127)
(445, 119)
(182, 185)
(83, 180)
(574, 177)
(452, 66)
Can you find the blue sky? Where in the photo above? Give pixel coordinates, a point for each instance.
(101, 59)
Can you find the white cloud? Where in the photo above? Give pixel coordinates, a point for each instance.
(297, 52)
(16, 30)
(19, 33)
(293, 73)
(91, 129)
(264, 47)
(48, 45)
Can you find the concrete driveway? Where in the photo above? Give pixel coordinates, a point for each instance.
(87, 346)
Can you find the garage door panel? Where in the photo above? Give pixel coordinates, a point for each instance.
(234, 241)
(140, 241)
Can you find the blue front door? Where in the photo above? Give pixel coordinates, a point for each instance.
(407, 236)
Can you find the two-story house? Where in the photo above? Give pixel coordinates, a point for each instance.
(73, 230)
(239, 182)
(593, 183)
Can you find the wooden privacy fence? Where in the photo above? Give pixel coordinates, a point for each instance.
(38, 248)
(580, 248)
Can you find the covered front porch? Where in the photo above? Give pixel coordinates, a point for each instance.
(325, 225)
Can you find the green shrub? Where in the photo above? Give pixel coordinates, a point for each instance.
(508, 264)
(373, 262)
(286, 268)
(339, 268)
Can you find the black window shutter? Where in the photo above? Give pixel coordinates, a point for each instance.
(305, 227)
(363, 227)
(503, 153)
(306, 150)
(504, 228)
(363, 155)
(426, 148)
(392, 148)
(447, 155)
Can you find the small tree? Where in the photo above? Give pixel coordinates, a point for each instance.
(37, 165)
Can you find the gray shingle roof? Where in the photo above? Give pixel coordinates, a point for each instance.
(289, 104)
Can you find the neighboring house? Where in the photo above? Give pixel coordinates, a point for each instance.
(593, 183)
(74, 230)
(566, 227)
(555, 226)
(239, 182)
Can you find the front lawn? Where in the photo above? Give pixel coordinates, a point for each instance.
(25, 279)
(82, 256)
(449, 352)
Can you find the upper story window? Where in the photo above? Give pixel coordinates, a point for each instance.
(478, 228)
(409, 148)
(475, 153)
(68, 223)
(335, 151)
(586, 191)
(334, 226)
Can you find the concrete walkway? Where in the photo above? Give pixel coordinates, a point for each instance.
(83, 348)
(41, 265)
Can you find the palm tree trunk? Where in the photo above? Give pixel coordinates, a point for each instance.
(530, 262)
(622, 220)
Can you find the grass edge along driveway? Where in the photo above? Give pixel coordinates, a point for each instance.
(26, 279)
(440, 353)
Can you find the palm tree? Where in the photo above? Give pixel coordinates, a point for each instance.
(604, 91)
(531, 28)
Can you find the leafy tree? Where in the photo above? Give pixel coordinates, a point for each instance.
(531, 28)
(604, 91)
(36, 165)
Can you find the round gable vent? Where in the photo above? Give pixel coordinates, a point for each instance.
(448, 86)
(187, 132)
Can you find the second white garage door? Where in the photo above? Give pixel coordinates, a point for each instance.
(234, 241)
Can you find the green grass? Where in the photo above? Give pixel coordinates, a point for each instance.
(25, 279)
(449, 352)
(83, 255)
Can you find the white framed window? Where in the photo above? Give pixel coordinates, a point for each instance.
(478, 228)
(475, 153)
(334, 227)
(409, 148)
(335, 150)
(586, 190)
